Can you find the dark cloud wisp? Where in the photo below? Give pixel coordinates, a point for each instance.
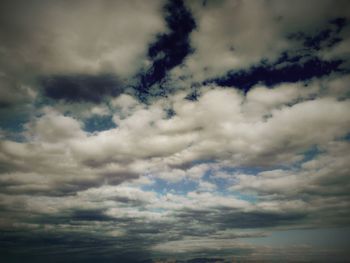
(81, 88)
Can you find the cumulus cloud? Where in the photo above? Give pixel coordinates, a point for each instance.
(185, 130)
(239, 34)
(100, 39)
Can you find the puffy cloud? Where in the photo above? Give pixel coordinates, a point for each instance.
(225, 41)
(99, 40)
(54, 127)
(174, 136)
(222, 125)
(234, 35)
(100, 111)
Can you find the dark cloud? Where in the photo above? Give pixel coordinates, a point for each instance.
(339, 22)
(226, 219)
(15, 103)
(209, 260)
(261, 219)
(46, 246)
(90, 215)
(211, 255)
(80, 88)
(54, 189)
(325, 38)
(65, 238)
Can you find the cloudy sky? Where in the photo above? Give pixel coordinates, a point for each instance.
(171, 131)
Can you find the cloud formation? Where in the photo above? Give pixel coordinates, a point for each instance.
(170, 130)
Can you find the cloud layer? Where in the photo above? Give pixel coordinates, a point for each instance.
(187, 131)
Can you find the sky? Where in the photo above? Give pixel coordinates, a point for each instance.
(174, 131)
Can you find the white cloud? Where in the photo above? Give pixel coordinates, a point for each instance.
(89, 38)
(100, 110)
(273, 157)
(222, 125)
(206, 186)
(234, 35)
(54, 127)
